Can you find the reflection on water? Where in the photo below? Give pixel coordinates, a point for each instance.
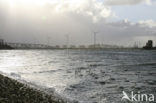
(89, 76)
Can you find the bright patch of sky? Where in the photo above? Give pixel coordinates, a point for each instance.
(133, 10)
(135, 13)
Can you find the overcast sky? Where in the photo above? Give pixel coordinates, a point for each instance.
(121, 22)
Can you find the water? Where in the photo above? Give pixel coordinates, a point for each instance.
(88, 76)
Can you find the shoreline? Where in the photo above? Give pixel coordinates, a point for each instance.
(13, 91)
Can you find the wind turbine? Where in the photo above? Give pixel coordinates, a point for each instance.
(95, 34)
(67, 40)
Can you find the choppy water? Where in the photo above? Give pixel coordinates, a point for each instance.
(88, 76)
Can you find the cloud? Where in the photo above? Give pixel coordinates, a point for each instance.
(126, 33)
(126, 2)
(148, 23)
(89, 8)
(28, 20)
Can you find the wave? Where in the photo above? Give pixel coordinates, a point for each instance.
(137, 64)
(47, 71)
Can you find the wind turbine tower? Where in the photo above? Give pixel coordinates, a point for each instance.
(95, 33)
(67, 41)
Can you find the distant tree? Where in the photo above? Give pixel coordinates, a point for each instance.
(91, 46)
(72, 46)
(64, 46)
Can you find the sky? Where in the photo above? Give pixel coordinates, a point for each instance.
(119, 22)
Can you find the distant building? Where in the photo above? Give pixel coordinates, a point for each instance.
(149, 45)
(82, 46)
(3, 45)
(57, 47)
(1, 42)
